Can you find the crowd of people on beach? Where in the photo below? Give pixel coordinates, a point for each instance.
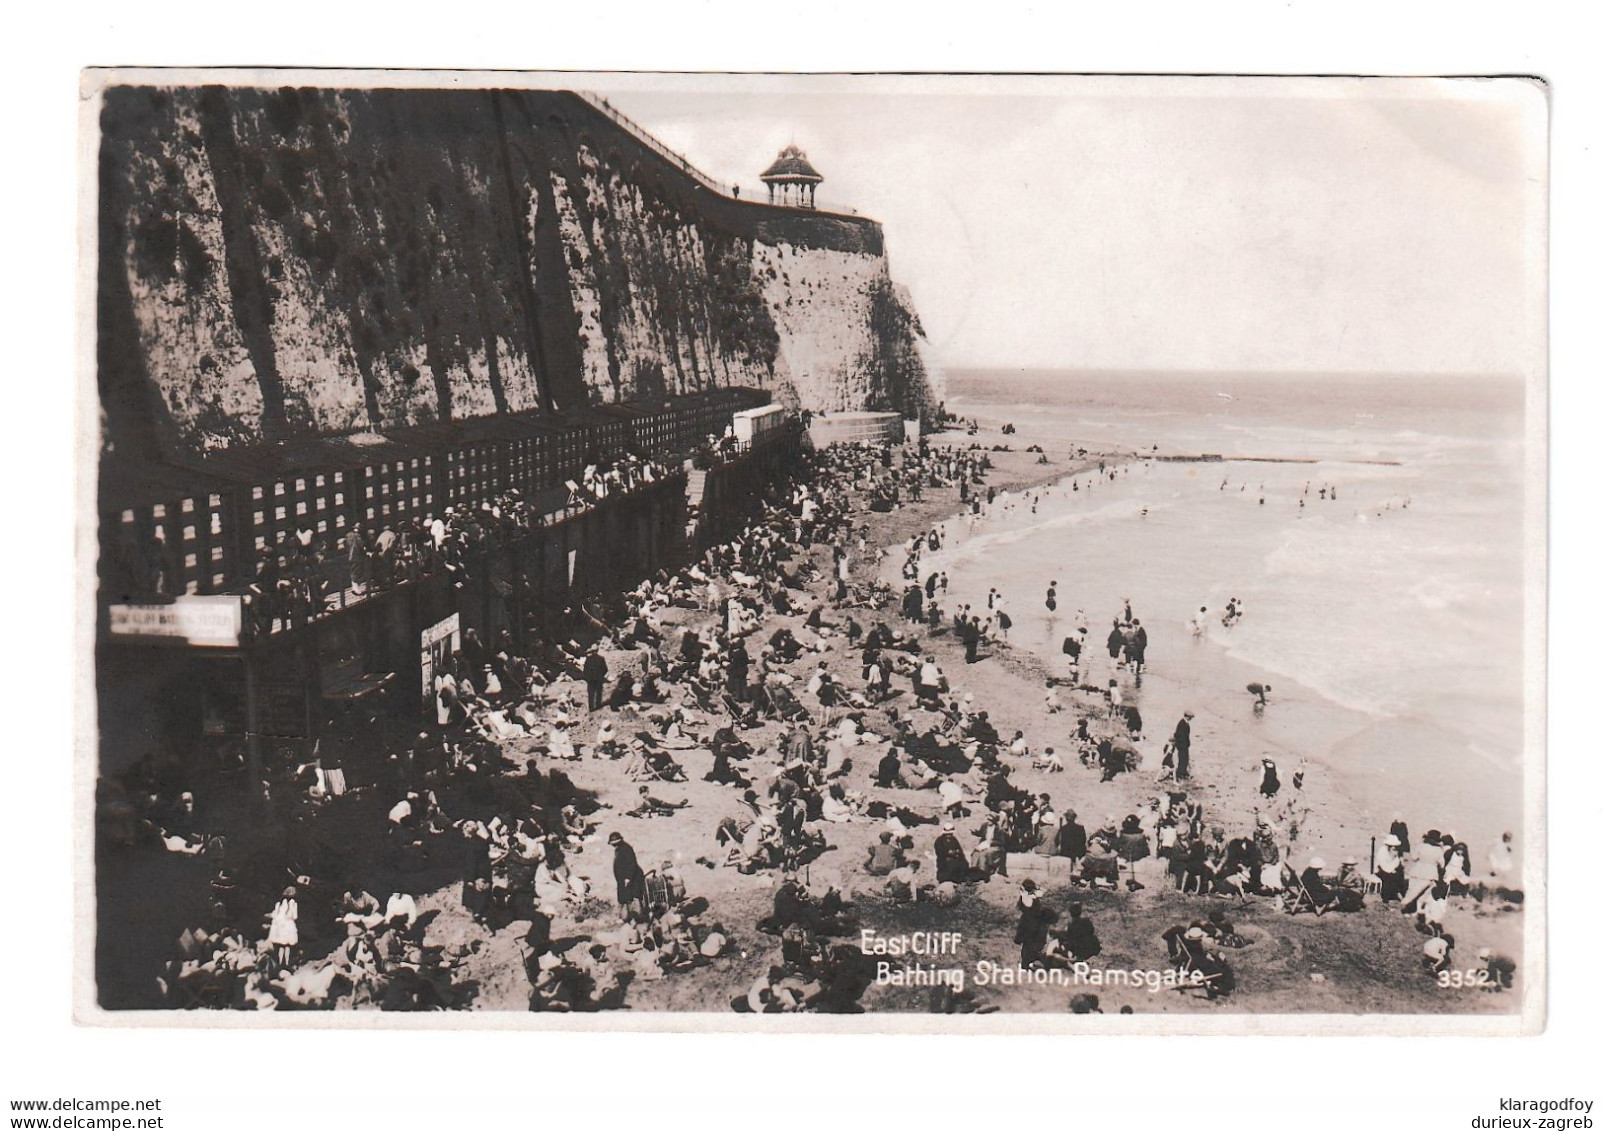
(776, 697)
(305, 576)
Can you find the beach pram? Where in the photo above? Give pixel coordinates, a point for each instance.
(663, 890)
(1094, 868)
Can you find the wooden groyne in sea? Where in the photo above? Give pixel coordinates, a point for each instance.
(1213, 457)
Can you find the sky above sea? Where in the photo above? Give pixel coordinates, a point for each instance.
(1350, 225)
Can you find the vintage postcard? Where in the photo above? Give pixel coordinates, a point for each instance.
(786, 552)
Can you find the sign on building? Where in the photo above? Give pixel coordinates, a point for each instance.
(205, 622)
(439, 641)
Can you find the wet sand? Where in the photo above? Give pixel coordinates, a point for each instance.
(1362, 766)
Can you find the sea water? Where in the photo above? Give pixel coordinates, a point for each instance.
(1388, 615)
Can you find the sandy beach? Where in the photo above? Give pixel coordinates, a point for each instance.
(1368, 962)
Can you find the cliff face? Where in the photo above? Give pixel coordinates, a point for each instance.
(276, 263)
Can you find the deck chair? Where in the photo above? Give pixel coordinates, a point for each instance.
(1203, 983)
(789, 706)
(1298, 899)
(742, 714)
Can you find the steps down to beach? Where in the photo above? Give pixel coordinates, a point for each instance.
(695, 487)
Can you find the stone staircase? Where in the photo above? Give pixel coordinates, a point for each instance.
(695, 487)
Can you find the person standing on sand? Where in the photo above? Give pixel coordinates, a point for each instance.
(738, 670)
(283, 933)
(630, 879)
(1137, 647)
(1399, 829)
(1035, 920)
(1270, 783)
(1182, 747)
(1052, 597)
(1261, 690)
(595, 676)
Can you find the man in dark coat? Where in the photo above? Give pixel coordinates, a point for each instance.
(738, 668)
(889, 773)
(1182, 747)
(595, 677)
(1070, 838)
(690, 649)
(1035, 918)
(1137, 647)
(629, 876)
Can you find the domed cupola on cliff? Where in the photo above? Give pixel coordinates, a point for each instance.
(791, 179)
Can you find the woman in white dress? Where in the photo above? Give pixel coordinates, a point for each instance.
(282, 933)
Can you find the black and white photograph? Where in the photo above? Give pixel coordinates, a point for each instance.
(940, 553)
